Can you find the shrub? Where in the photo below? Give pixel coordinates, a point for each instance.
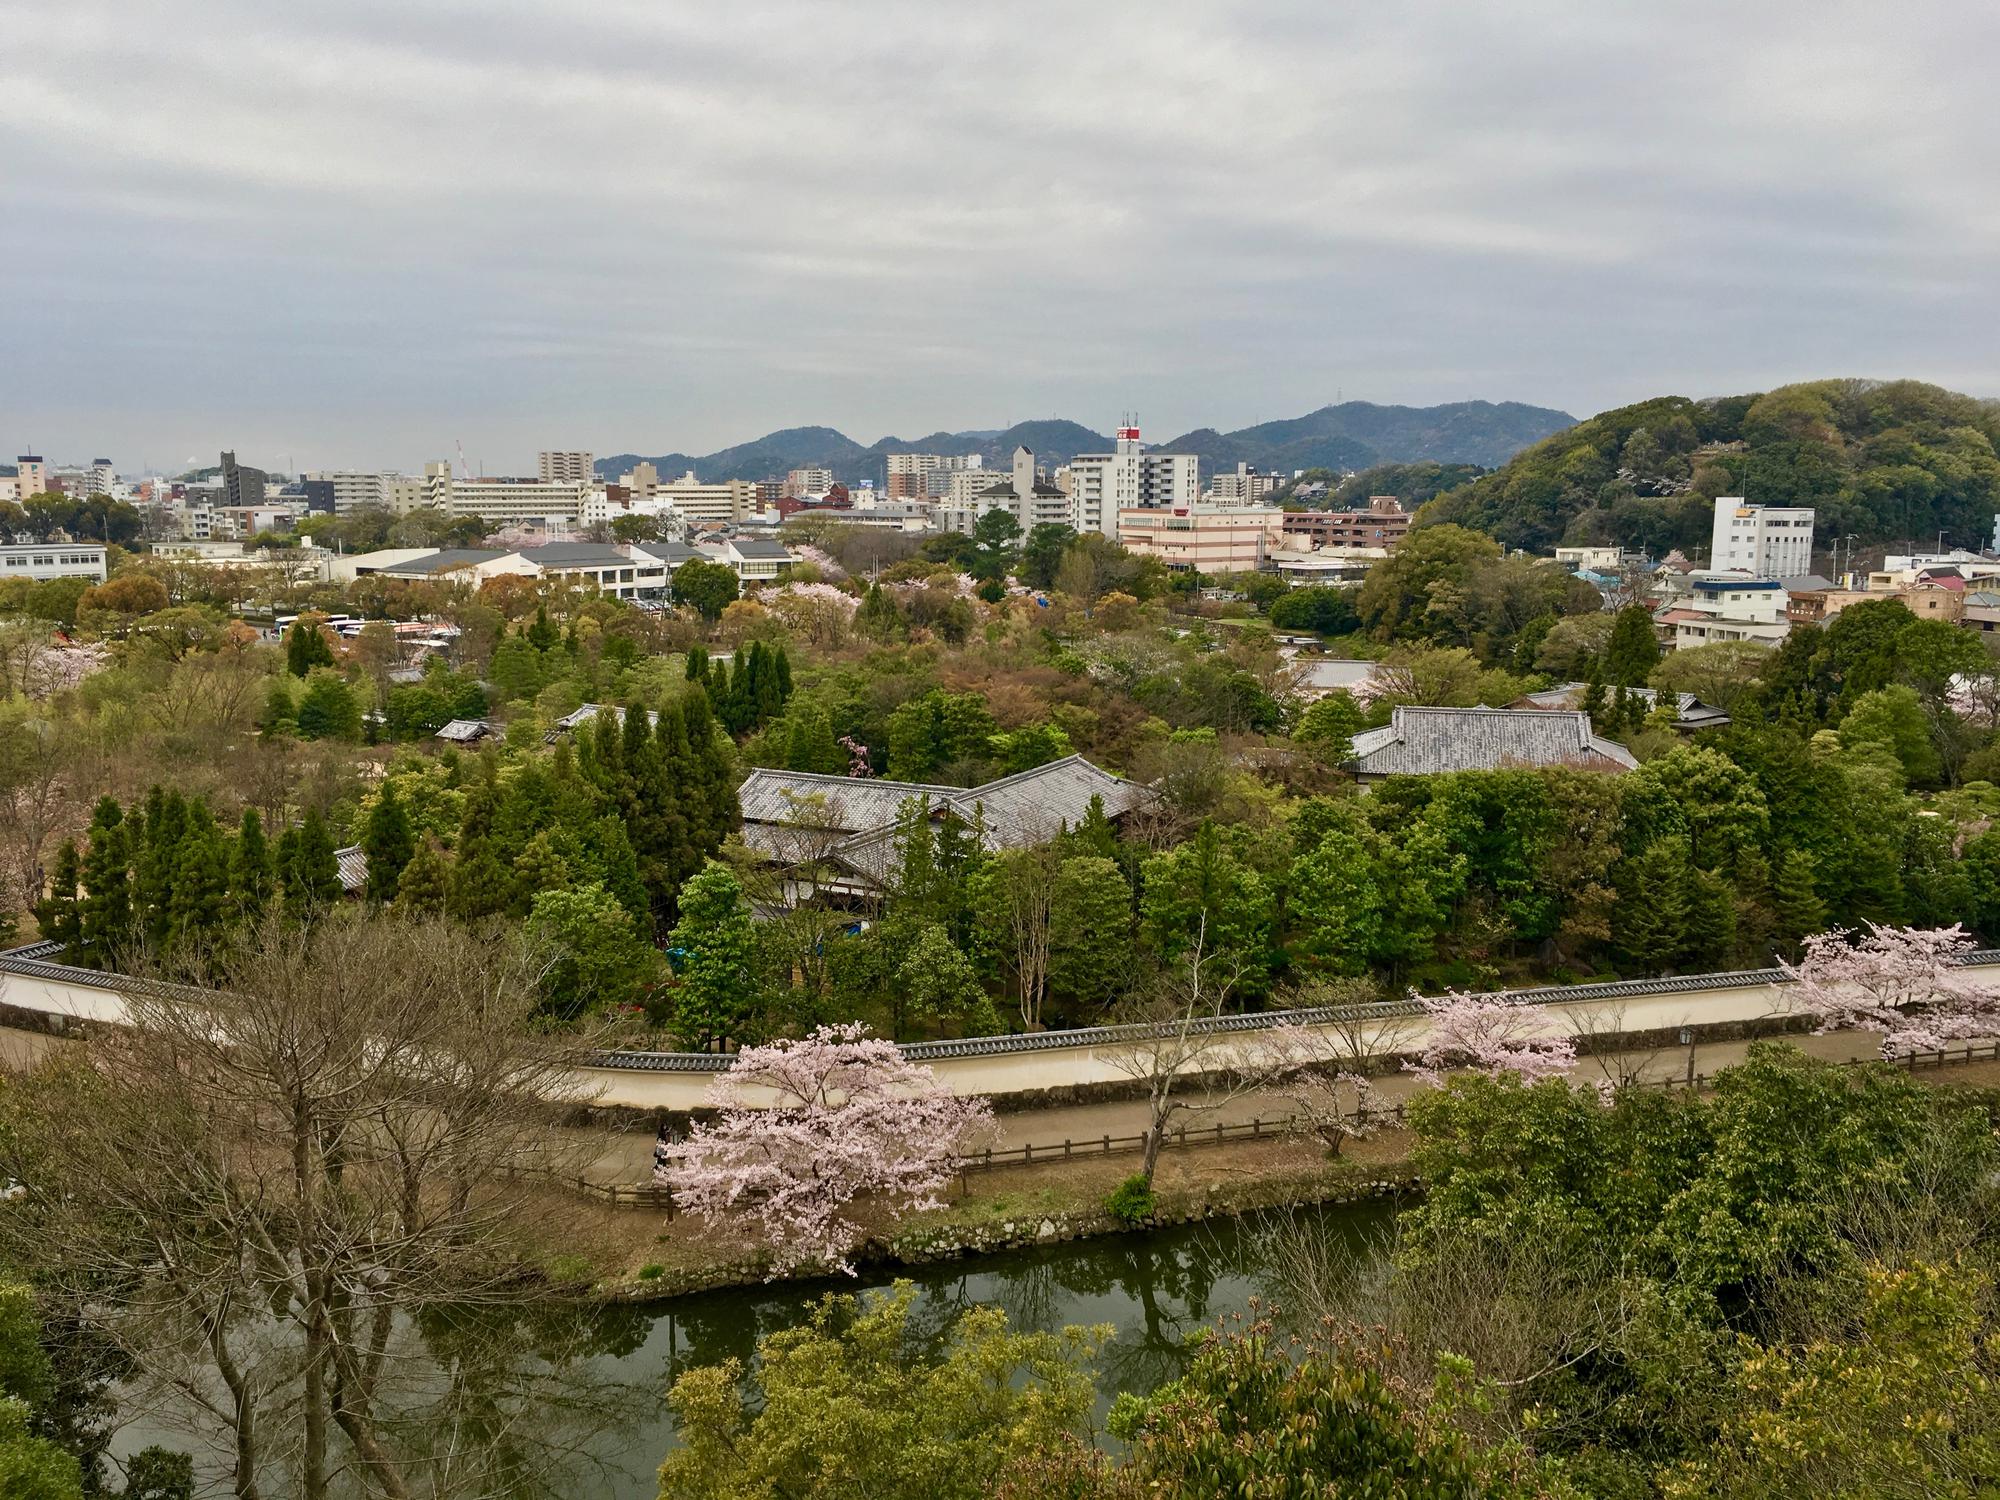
(652, 1272)
(1132, 1202)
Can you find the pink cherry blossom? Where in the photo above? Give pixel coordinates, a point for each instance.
(806, 1127)
(1487, 1034)
(1907, 983)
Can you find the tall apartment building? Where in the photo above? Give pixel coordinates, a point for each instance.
(640, 481)
(1104, 484)
(1024, 493)
(241, 484)
(800, 483)
(1764, 541)
(566, 468)
(31, 475)
(344, 490)
(927, 476)
(1246, 485)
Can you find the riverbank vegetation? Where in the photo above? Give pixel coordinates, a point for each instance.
(1783, 1286)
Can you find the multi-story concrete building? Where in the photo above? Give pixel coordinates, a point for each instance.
(241, 484)
(565, 468)
(1384, 524)
(688, 497)
(40, 560)
(503, 500)
(1105, 485)
(1025, 493)
(31, 474)
(1203, 538)
(344, 490)
(1246, 485)
(1764, 541)
(1731, 606)
(640, 481)
(800, 483)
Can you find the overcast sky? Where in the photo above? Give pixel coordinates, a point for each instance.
(355, 232)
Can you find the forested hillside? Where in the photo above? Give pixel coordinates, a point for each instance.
(1886, 462)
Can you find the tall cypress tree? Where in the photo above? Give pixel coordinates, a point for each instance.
(388, 842)
(1634, 648)
(1651, 918)
(250, 875)
(1711, 922)
(1801, 911)
(153, 864)
(311, 873)
(784, 672)
(107, 883)
(425, 884)
(199, 900)
(58, 912)
(714, 811)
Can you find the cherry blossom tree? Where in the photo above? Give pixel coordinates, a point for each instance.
(807, 1127)
(1907, 983)
(1487, 1034)
(1319, 1078)
(858, 764)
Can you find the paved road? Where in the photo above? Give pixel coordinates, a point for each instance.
(626, 1156)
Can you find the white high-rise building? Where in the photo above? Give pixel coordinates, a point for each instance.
(567, 468)
(1765, 541)
(1103, 484)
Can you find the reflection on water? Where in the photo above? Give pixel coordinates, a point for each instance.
(570, 1400)
(1154, 1290)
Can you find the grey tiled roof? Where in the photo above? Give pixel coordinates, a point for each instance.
(465, 731)
(443, 562)
(1426, 741)
(575, 555)
(1015, 811)
(760, 548)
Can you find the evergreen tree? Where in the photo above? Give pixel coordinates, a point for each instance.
(784, 674)
(425, 884)
(697, 664)
(106, 917)
(153, 863)
(279, 715)
(542, 634)
(309, 870)
(711, 772)
(250, 875)
(481, 886)
(1651, 918)
(329, 710)
(1801, 911)
(1634, 648)
(714, 945)
(1711, 922)
(878, 618)
(1593, 698)
(809, 742)
(1756, 913)
(617, 867)
(306, 646)
(389, 843)
(59, 912)
(199, 900)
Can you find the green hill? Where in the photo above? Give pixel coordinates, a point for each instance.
(1883, 461)
(1357, 434)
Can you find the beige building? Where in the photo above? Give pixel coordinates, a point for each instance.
(566, 468)
(502, 500)
(801, 483)
(1204, 538)
(724, 500)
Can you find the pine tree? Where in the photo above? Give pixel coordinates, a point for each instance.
(388, 842)
(714, 810)
(809, 742)
(784, 673)
(425, 884)
(279, 716)
(153, 864)
(878, 618)
(697, 664)
(59, 912)
(106, 916)
(617, 869)
(1756, 915)
(250, 874)
(767, 694)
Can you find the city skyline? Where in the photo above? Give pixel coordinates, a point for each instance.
(389, 231)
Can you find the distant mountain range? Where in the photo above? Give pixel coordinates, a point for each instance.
(1352, 435)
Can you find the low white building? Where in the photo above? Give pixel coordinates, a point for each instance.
(1730, 606)
(40, 560)
(754, 559)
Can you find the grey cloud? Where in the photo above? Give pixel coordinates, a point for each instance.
(355, 233)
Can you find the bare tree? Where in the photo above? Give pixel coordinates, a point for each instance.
(1601, 1037)
(1321, 1061)
(1020, 897)
(1175, 1042)
(263, 1183)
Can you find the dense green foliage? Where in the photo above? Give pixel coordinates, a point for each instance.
(1884, 461)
